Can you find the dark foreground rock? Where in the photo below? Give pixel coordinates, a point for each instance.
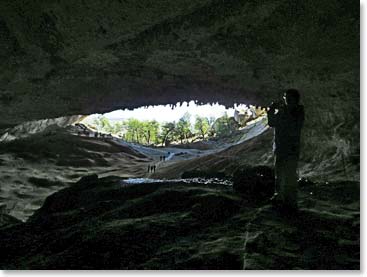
(6, 220)
(203, 174)
(255, 183)
(109, 224)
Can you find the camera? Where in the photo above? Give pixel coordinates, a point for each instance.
(275, 105)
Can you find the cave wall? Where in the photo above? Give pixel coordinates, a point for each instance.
(80, 57)
(36, 126)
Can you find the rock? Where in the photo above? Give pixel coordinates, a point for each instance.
(89, 179)
(215, 208)
(180, 225)
(6, 220)
(202, 174)
(304, 182)
(146, 55)
(44, 183)
(255, 183)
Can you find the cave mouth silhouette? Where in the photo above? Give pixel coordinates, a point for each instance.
(184, 120)
(173, 112)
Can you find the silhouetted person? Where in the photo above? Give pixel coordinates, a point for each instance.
(164, 158)
(154, 167)
(160, 158)
(288, 122)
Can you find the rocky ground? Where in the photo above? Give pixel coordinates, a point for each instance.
(113, 222)
(38, 165)
(65, 59)
(109, 223)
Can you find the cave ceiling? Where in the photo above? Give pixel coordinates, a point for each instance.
(80, 57)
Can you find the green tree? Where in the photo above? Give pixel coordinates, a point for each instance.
(225, 126)
(211, 131)
(154, 131)
(132, 128)
(103, 124)
(118, 127)
(183, 127)
(168, 129)
(221, 126)
(202, 126)
(150, 131)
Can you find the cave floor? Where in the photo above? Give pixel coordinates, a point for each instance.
(107, 223)
(41, 164)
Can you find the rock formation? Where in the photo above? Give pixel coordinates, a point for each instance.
(65, 59)
(107, 224)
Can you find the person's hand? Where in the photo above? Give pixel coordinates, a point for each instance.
(272, 107)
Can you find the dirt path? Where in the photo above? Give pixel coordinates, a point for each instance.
(158, 164)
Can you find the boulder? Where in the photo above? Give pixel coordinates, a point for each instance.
(6, 220)
(89, 179)
(255, 183)
(202, 174)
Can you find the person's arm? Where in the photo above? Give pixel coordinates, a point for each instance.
(272, 117)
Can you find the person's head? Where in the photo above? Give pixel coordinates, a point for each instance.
(291, 97)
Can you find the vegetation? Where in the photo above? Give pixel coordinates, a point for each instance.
(202, 126)
(225, 126)
(154, 133)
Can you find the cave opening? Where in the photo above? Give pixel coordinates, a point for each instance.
(171, 124)
(170, 188)
(194, 192)
(45, 155)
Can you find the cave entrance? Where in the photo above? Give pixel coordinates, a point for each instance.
(44, 156)
(164, 125)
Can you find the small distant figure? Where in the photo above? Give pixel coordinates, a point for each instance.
(154, 167)
(96, 135)
(160, 158)
(287, 119)
(164, 158)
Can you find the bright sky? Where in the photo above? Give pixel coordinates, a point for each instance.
(165, 113)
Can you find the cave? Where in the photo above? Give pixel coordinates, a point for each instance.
(74, 198)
